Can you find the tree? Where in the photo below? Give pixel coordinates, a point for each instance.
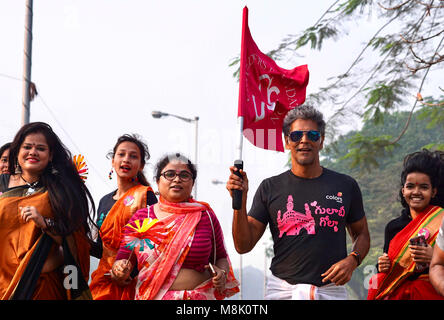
(408, 44)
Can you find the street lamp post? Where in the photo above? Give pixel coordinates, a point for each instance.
(160, 114)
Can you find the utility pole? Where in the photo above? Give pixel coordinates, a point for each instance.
(27, 54)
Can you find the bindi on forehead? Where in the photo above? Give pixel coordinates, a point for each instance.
(32, 144)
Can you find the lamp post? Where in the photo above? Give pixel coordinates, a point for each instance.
(160, 114)
(27, 64)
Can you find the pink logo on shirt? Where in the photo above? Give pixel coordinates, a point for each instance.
(291, 222)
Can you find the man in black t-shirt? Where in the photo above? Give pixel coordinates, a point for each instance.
(308, 209)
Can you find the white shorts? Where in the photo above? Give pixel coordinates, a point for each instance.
(278, 289)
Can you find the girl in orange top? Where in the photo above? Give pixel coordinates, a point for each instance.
(44, 219)
(115, 209)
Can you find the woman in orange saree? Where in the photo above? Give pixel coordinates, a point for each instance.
(403, 268)
(178, 242)
(115, 209)
(44, 220)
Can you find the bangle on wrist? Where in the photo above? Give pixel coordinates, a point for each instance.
(49, 223)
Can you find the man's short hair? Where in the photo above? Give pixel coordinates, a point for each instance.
(304, 112)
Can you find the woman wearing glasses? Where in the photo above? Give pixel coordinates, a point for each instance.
(308, 208)
(115, 209)
(177, 243)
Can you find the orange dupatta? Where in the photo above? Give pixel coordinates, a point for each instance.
(19, 240)
(101, 286)
(403, 266)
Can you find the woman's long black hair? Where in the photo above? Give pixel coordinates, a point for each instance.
(430, 163)
(69, 197)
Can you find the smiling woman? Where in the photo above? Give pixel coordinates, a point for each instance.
(403, 267)
(45, 217)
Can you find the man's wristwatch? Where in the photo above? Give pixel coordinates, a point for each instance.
(357, 256)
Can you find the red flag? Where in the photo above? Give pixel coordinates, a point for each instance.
(266, 93)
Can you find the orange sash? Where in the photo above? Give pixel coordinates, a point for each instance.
(403, 266)
(101, 286)
(19, 240)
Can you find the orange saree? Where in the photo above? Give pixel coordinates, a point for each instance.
(19, 241)
(394, 285)
(101, 286)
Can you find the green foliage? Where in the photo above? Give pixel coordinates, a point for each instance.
(350, 6)
(316, 36)
(383, 96)
(364, 151)
(433, 111)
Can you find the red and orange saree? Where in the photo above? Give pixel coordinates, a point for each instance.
(101, 286)
(395, 284)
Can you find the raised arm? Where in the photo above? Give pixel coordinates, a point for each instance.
(246, 230)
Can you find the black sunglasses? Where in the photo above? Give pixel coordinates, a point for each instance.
(297, 135)
(170, 175)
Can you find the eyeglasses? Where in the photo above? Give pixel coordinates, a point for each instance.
(170, 175)
(297, 135)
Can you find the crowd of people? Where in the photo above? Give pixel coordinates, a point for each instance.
(166, 245)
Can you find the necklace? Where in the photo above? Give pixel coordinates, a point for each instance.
(31, 186)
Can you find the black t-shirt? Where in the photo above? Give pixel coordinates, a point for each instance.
(4, 182)
(395, 226)
(307, 219)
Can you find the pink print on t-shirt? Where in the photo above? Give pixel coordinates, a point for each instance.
(292, 221)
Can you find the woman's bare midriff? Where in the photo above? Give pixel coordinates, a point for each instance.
(188, 279)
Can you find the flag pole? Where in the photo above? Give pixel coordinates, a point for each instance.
(238, 163)
(241, 136)
(27, 64)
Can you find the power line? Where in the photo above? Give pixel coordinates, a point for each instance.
(58, 122)
(9, 77)
(69, 137)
